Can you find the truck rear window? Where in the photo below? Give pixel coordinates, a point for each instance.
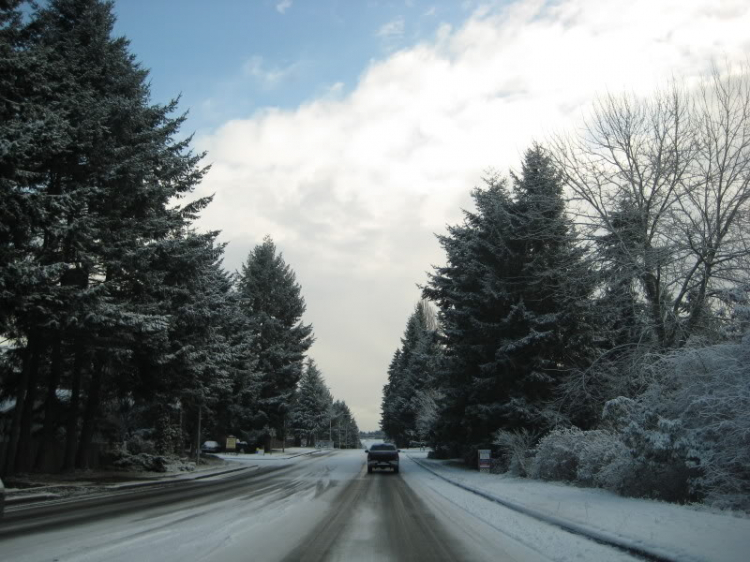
(383, 447)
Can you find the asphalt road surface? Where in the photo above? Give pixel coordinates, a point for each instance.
(320, 508)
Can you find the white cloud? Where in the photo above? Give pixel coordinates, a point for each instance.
(394, 28)
(352, 186)
(283, 6)
(268, 77)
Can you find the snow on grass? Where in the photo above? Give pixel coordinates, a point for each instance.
(674, 531)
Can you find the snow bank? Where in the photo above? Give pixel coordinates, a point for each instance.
(670, 531)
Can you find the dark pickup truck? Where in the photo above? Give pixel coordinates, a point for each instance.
(382, 455)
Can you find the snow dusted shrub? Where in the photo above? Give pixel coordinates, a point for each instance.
(167, 436)
(689, 432)
(516, 452)
(137, 444)
(603, 460)
(592, 458)
(661, 449)
(141, 462)
(443, 451)
(684, 437)
(557, 455)
(710, 393)
(498, 466)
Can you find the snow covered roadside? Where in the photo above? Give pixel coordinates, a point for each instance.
(665, 530)
(60, 486)
(289, 453)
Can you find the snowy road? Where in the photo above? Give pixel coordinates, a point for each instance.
(310, 509)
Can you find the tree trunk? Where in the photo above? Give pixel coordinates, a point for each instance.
(653, 296)
(51, 406)
(25, 448)
(90, 413)
(15, 428)
(698, 304)
(198, 436)
(71, 428)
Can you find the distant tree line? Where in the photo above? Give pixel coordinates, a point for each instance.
(377, 434)
(118, 323)
(592, 311)
(316, 416)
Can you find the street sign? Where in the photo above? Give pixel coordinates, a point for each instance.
(231, 443)
(485, 459)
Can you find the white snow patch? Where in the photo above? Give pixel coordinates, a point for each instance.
(675, 531)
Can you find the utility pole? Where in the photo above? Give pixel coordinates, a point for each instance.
(181, 442)
(198, 436)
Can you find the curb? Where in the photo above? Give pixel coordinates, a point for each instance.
(22, 499)
(13, 499)
(307, 453)
(601, 537)
(271, 457)
(175, 478)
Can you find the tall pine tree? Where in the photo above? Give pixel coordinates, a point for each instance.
(91, 176)
(513, 305)
(549, 330)
(272, 301)
(312, 406)
(412, 371)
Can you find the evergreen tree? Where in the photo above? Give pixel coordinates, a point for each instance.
(391, 403)
(204, 357)
(312, 405)
(625, 336)
(90, 175)
(549, 330)
(272, 301)
(345, 431)
(472, 303)
(412, 370)
(513, 305)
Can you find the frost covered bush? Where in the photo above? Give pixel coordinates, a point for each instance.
(557, 455)
(662, 464)
(592, 458)
(708, 391)
(685, 437)
(603, 460)
(689, 432)
(516, 452)
(138, 444)
(141, 462)
(167, 436)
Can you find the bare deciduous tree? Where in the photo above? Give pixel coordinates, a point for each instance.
(712, 218)
(664, 184)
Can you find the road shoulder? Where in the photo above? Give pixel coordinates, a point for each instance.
(663, 530)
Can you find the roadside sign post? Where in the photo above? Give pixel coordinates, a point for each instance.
(485, 458)
(231, 444)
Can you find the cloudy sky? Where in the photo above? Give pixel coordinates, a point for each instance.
(351, 131)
